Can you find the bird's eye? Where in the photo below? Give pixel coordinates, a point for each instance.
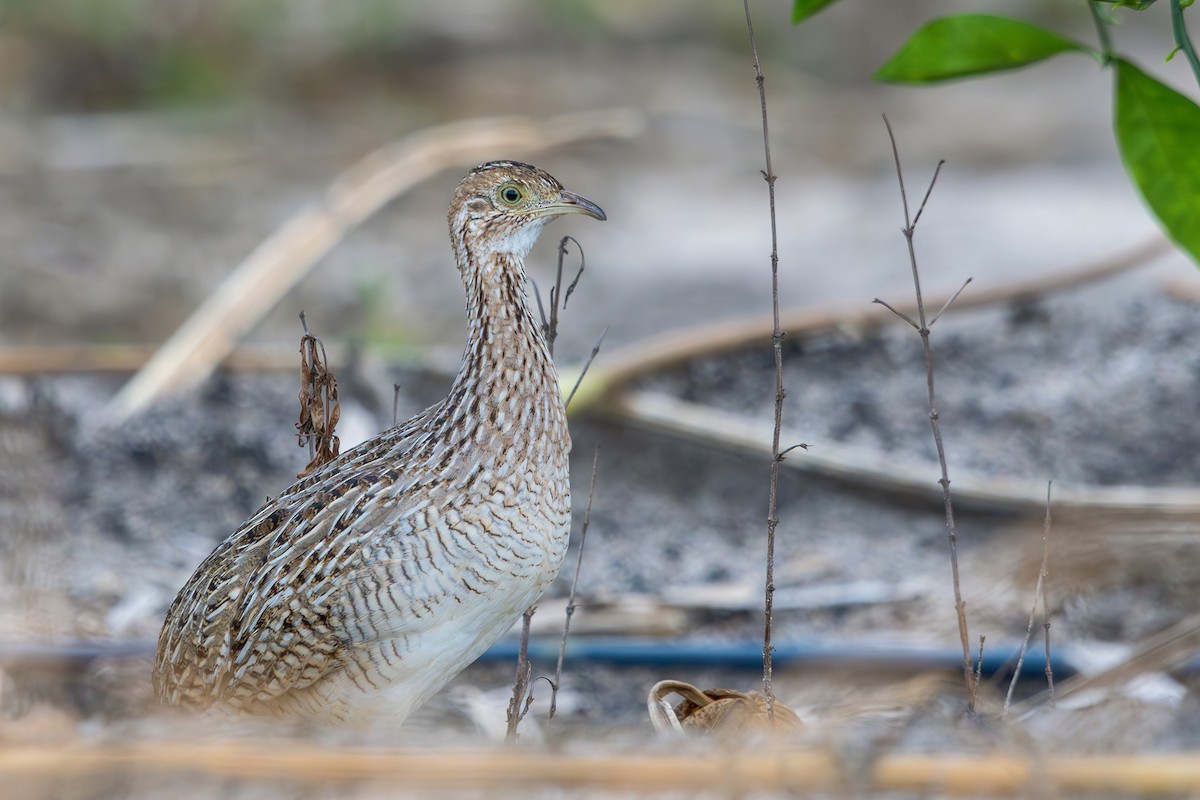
(510, 195)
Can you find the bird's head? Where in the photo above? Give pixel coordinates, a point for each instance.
(502, 206)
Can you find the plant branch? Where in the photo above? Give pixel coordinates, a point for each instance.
(562, 647)
(969, 674)
(522, 694)
(777, 343)
(586, 364)
(1044, 581)
(949, 302)
(1039, 593)
(562, 253)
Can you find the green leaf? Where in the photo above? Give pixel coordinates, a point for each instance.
(1158, 130)
(803, 9)
(970, 44)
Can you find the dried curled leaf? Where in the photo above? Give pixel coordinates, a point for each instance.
(319, 407)
(722, 712)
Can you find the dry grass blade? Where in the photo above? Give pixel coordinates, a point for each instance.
(1161, 652)
(258, 283)
(319, 406)
(884, 474)
(492, 771)
(1039, 594)
(124, 358)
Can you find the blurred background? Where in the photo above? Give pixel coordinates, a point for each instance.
(148, 146)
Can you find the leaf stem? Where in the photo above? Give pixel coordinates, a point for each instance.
(1181, 38)
(1106, 48)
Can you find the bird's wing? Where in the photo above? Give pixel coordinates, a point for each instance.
(264, 613)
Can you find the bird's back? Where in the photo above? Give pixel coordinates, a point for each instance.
(362, 588)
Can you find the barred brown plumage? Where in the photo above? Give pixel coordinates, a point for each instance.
(364, 587)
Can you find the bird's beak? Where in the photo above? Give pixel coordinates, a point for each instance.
(570, 203)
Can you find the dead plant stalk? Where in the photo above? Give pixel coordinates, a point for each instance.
(1039, 593)
(522, 693)
(777, 343)
(583, 529)
(922, 326)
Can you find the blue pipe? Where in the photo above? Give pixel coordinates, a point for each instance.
(748, 655)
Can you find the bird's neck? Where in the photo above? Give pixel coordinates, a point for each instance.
(507, 373)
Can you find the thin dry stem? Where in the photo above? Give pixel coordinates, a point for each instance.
(949, 302)
(898, 313)
(522, 694)
(1044, 583)
(969, 674)
(583, 529)
(562, 253)
(979, 664)
(1038, 594)
(777, 343)
(586, 365)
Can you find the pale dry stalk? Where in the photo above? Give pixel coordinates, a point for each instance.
(1039, 593)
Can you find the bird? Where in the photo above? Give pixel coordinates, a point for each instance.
(359, 591)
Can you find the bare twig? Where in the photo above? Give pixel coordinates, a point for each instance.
(898, 313)
(1039, 593)
(522, 694)
(395, 404)
(583, 529)
(949, 302)
(969, 674)
(558, 299)
(1044, 577)
(797, 446)
(979, 664)
(586, 364)
(562, 253)
(777, 343)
